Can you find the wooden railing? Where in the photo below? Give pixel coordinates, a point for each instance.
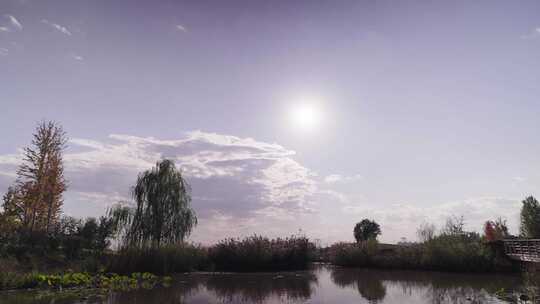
(523, 249)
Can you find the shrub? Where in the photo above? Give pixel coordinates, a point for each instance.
(348, 255)
(464, 252)
(447, 252)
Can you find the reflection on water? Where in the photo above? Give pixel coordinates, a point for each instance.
(323, 284)
(432, 287)
(293, 287)
(369, 285)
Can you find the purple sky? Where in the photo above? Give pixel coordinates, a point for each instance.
(427, 108)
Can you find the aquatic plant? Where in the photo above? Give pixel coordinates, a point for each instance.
(110, 281)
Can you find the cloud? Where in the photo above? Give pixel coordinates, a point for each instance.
(337, 178)
(180, 28)
(532, 35)
(402, 219)
(518, 179)
(77, 57)
(4, 51)
(4, 29)
(14, 22)
(242, 186)
(232, 176)
(57, 27)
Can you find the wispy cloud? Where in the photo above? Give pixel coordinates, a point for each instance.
(518, 179)
(181, 28)
(77, 57)
(57, 27)
(14, 22)
(4, 51)
(4, 29)
(532, 35)
(337, 178)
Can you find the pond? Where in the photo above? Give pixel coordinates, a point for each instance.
(322, 284)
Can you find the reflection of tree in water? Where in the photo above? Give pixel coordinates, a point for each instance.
(439, 288)
(256, 288)
(370, 287)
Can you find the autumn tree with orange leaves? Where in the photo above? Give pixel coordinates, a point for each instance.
(496, 230)
(35, 201)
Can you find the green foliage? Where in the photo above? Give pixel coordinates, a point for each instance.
(466, 253)
(365, 230)
(349, 255)
(257, 253)
(72, 241)
(111, 281)
(163, 215)
(530, 218)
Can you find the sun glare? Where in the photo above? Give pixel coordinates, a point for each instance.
(306, 116)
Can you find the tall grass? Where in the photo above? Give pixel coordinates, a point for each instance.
(458, 253)
(251, 254)
(163, 260)
(257, 253)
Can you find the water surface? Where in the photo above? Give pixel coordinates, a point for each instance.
(322, 284)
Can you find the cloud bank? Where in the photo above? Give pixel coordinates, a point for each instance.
(241, 186)
(233, 179)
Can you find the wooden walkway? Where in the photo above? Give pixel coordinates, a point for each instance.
(526, 250)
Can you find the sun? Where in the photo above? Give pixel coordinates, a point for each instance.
(306, 116)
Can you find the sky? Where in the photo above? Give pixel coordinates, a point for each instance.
(284, 116)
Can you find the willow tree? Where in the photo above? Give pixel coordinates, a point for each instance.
(163, 214)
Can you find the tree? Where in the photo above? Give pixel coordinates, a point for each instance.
(496, 230)
(105, 232)
(163, 214)
(489, 231)
(36, 199)
(530, 218)
(426, 232)
(88, 232)
(454, 226)
(9, 222)
(11, 205)
(366, 230)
